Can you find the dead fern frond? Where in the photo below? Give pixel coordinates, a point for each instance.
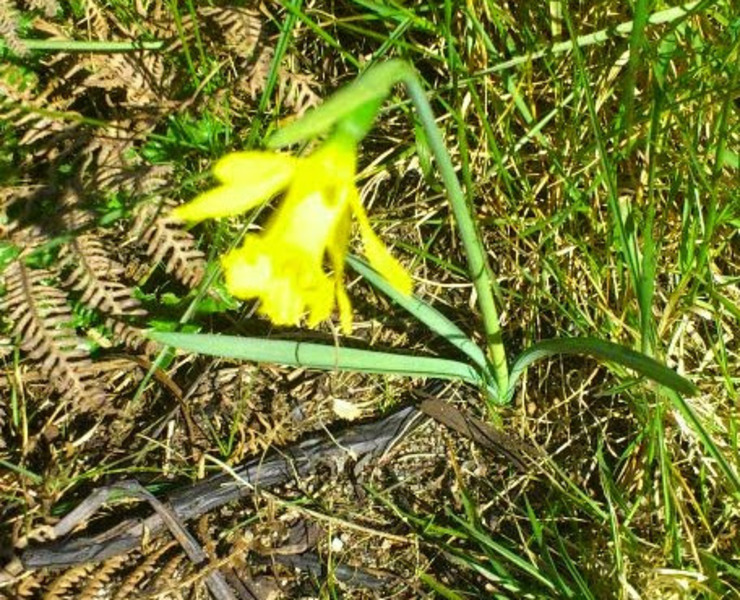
(228, 385)
(3, 419)
(55, 94)
(118, 373)
(140, 180)
(40, 316)
(257, 73)
(50, 138)
(27, 587)
(165, 576)
(73, 216)
(112, 171)
(49, 7)
(298, 91)
(152, 562)
(20, 99)
(27, 237)
(166, 241)
(14, 86)
(109, 165)
(96, 19)
(239, 28)
(131, 336)
(95, 586)
(62, 586)
(9, 28)
(97, 276)
(143, 77)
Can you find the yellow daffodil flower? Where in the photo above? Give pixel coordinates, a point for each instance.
(284, 266)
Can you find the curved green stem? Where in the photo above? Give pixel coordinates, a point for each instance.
(90, 45)
(480, 270)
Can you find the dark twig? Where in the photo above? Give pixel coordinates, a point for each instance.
(481, 433)
(314, 564)
(214, 580)
(361, 442)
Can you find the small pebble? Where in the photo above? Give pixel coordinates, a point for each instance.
(337, 544)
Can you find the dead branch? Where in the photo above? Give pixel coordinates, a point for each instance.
(363, 442)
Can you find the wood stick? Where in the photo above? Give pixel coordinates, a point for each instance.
(361, 443)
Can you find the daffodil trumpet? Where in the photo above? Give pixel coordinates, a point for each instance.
(285, 265)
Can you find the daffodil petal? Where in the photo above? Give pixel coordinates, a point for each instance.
(320, 302)
(284, 266)
(288, 281)
(377, 253)
(337, 249)
(283, 303)
(222, 201)
(249, 178)
(345, 310)
(384, 263)
(306, 221)
(247, 270)
(250, 168)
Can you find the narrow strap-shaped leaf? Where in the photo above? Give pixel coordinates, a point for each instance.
(422, 311)
(318, 356)
(601, 350)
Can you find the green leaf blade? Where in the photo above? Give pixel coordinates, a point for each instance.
(604, 351)
(423, 312)
(318, 356)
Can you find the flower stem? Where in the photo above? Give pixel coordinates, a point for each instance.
(90, 45)
(480, 270)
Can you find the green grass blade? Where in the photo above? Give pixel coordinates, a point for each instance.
(626, 235)
(488, 570)
(608, 486)
(318, 356)
(668, 15)
(637, 46)
(648, 268)
(663, 452)
(30, 475)
(439, 588)
(286, 35)
(605, 351)
(396, 12)
(177, 18)
(585, 592)
(710, 219)
(512, 557)
(428, 315)
(322, 32)
(93, 46)
(706, 439)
